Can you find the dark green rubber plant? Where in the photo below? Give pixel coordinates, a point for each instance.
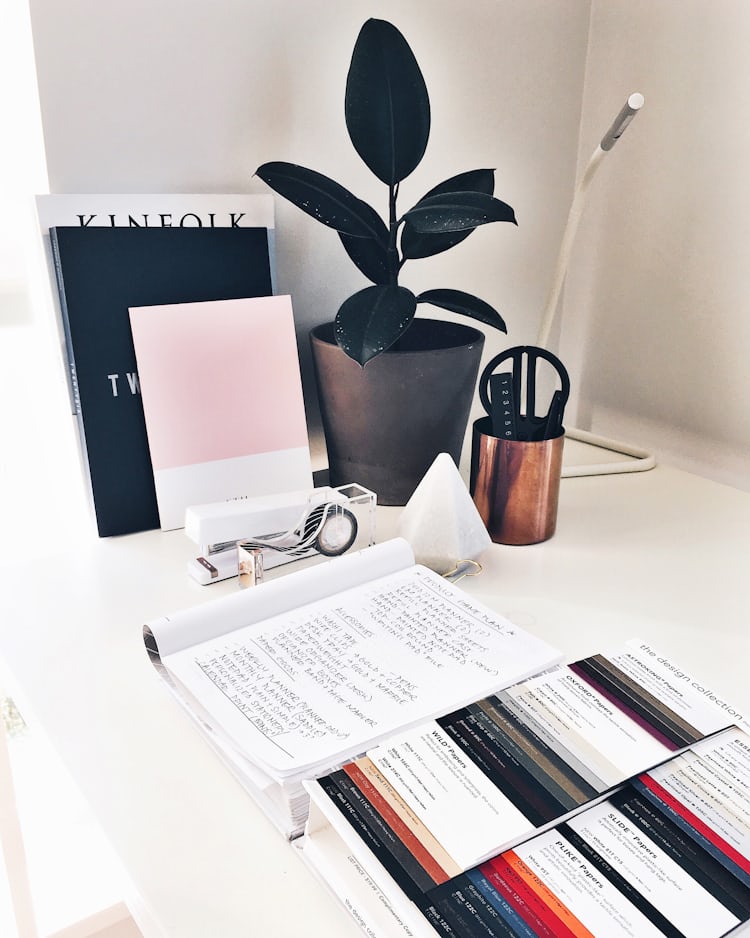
(387, 111)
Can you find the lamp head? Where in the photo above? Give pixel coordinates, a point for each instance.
(626, 115)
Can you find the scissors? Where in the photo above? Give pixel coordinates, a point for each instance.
(501, 395)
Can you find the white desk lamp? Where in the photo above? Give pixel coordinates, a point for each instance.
(643, 459)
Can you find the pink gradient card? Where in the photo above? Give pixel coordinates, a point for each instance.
(222, 398)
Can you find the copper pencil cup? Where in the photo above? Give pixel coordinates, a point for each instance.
(515, 485)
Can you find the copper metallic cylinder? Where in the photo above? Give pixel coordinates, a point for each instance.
(515, 485)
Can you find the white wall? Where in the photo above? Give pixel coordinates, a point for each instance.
(656, 324)
(181, 95)
(21, 159)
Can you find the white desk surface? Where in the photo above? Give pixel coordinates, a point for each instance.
(660, 555)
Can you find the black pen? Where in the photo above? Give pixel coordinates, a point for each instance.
(553, 423)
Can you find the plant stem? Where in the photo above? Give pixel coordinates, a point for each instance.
(393, 259)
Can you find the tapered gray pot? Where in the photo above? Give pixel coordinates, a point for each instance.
(385, 423)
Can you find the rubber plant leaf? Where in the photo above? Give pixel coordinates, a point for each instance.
(370, 321)
(415, 244)
(459, 302)
(457, 211)
(386, 105)
(371, 254)
(323, 199)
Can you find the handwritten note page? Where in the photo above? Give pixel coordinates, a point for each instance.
(321, 682)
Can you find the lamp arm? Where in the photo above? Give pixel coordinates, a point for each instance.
(563, 258)
(626, 115)
(640, 459)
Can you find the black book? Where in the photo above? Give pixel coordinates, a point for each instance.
(101, 272)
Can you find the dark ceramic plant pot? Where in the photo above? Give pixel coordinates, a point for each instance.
(385, 423)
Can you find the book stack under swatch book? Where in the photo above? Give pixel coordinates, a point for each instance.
(104, 270)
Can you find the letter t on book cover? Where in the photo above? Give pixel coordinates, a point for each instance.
(222, 398)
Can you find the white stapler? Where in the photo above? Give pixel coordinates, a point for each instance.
(285, 527)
